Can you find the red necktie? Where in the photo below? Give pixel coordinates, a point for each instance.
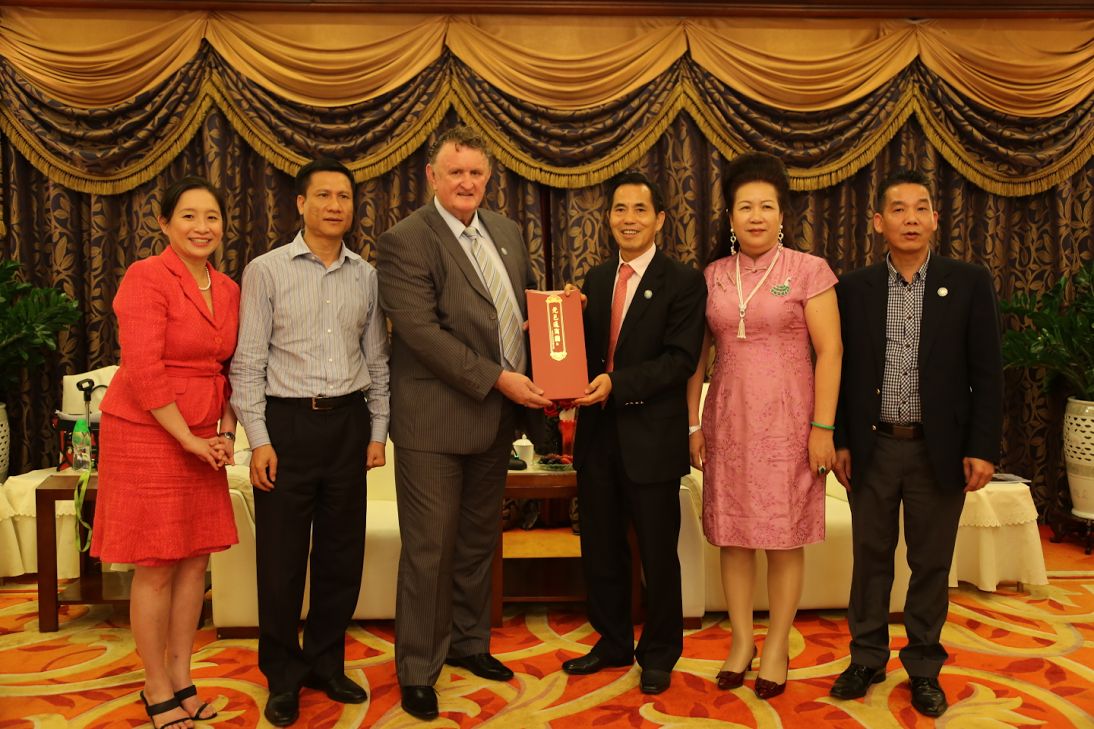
(619, 299)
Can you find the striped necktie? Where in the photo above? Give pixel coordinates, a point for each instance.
(509, 324)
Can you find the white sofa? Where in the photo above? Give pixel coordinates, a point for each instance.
(827, 582)
(235, 587)
(235, 592)
(828, 564)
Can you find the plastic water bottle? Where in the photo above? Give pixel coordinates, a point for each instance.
(81, 446)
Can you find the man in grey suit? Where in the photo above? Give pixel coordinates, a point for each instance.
(452, 280)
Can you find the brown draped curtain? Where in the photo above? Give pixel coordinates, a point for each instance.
(90, 139)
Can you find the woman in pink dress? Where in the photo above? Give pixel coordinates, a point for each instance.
(167, 431)
(765, 444)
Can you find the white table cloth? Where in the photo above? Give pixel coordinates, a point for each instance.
(998, 540)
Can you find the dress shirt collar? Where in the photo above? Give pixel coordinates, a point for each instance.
(299, 248)
(895, 275)
(639, 263)
(454, 223)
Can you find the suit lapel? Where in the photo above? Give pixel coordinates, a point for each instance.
(934, 304)
(599, 314)
(189, 286)
(877, 293)
(449, 243)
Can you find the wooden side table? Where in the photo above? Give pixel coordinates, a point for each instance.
(563, 582)
(93, 587)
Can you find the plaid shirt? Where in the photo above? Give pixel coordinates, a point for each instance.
(904, 314)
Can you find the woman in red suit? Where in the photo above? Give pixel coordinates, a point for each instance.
(167, 431)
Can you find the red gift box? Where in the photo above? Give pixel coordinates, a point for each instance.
(557, 342)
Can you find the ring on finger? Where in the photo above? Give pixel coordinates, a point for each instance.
(821, 470)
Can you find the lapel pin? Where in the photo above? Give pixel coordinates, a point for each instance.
(647, 294)
(504, 252)
(942, 291)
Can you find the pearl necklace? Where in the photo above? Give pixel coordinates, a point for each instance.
(742, 300)
(208, 279)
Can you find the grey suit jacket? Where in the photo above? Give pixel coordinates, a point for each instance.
(445, 355)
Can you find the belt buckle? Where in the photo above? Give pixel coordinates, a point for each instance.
(317, 403)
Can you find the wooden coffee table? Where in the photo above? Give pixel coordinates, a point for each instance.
(557, 579)
(94, 587)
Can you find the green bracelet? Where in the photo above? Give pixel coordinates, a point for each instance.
(815, 424)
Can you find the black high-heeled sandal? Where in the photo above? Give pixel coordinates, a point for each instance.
(154, 710)
(191, 690)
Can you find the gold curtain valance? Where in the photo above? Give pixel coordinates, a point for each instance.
(1030, 68)
(114, 149)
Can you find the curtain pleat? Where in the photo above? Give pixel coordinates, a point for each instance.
(338, 60)
(89, 58)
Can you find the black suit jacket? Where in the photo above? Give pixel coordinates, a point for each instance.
(657, 351)
(960, 365)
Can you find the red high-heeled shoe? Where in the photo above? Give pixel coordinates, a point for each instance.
(727, 680)
(769, 689)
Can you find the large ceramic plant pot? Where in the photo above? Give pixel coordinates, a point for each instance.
(1079, 455)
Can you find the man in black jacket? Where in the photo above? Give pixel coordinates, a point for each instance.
(919, 420)
(643, 330)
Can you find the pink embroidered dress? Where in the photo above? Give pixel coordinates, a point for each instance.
(758, 490)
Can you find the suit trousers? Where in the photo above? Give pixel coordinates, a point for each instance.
(318, 498)
(450, 522)
(900, 471)
(609, 501)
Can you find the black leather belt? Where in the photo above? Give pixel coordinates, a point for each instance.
(322, 403)
(903, 431)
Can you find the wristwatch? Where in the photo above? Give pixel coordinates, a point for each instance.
(228, 434)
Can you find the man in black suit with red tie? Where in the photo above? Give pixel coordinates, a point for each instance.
(920, 420)
(644, 324)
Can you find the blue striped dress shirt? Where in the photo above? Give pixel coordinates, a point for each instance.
(306, 330)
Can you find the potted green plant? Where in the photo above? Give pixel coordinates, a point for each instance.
(1057, 337)
(30, 319)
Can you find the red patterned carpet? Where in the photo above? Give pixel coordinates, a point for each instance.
(1017, 660)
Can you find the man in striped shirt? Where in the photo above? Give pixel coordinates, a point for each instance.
(310, 380)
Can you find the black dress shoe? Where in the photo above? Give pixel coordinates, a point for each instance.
(590, 663)
(853, 682)
(338, 688)
(654, 681)
(482, 665)
(282, 708)
(928, 698)
(420, 702)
